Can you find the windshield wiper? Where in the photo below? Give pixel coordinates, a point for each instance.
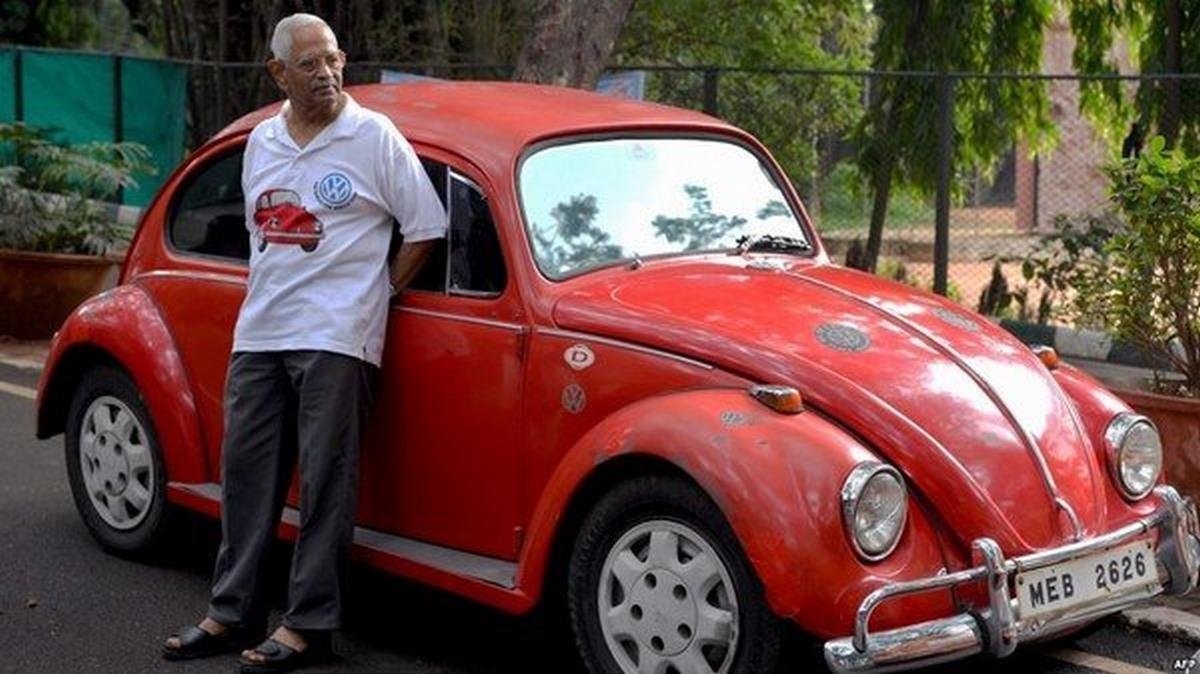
(747, 243)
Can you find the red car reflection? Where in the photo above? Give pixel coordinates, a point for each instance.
(281, 218)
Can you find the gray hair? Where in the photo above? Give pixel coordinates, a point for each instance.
(281, 37)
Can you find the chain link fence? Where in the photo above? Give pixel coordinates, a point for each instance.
(976, 247)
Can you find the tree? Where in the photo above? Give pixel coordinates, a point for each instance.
(571, 41)
(1166, 34)
(800, 117)
(897, 137)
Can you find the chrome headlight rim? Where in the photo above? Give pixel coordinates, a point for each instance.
(852, 489)
(1114, 439)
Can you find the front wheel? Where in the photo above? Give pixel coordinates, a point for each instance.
(114, 465)
(658, 583)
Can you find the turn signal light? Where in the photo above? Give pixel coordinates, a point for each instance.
(1047, 355)
(782, 399)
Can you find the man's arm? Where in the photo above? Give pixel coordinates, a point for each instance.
(408, 261)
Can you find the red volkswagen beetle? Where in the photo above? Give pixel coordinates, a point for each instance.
(281, 218)
(632, 373)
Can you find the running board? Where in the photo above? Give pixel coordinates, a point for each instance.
(498, 572)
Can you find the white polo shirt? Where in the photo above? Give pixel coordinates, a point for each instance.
(319, 280)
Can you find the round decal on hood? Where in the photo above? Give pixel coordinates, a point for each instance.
(842, 337)
(956, 319)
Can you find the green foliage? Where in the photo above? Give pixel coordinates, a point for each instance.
(978, 36)
(48, 191)
(794, 115)
(1150, 293)
(1071, 257)
(845, 203)
(1120, 109)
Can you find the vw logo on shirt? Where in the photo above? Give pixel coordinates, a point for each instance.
(335, 190)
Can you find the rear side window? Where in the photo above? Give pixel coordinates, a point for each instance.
(476, 263)
(209, 217)
(469, 261)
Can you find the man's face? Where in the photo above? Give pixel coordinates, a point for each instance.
(312, 75)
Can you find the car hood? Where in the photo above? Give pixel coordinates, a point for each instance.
(970, 414)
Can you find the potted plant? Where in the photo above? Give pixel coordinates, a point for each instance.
(57, 239)
(1148, 293)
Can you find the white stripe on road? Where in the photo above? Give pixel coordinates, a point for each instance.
(23, 391)
(1098, 662)
(23, 363)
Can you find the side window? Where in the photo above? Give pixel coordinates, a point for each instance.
(476, 263)
(209, 217)
(432, 275)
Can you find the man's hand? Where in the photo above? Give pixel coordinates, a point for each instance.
(408, 261)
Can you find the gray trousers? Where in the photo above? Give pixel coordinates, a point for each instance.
(280, 406)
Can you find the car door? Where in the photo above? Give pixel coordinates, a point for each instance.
(200, 285)
(440, 460)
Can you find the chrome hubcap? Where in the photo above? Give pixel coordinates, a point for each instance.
(114, 458)
(666, 602)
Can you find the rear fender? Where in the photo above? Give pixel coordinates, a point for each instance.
(123, 327)
(776, 478)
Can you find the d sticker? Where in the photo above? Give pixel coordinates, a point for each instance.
(579, 357)
(573, 398)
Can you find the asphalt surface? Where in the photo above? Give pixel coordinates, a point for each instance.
(67, 606)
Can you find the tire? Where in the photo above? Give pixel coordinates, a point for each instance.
(121, 494)
(637, 554)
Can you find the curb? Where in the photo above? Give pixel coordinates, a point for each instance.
(1086, 344)
(1166, 621)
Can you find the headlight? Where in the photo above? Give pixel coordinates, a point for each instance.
(874, 509)
(1134, 454)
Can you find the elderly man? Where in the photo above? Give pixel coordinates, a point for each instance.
(307, 346)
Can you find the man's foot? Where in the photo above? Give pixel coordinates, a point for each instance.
(206, 639)
(286, 650)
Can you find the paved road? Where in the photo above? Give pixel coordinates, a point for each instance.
(66, 606)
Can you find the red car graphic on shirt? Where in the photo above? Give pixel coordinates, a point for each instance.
(282, 219)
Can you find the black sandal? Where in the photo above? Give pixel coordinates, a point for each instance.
(279, 657)
(197, 643)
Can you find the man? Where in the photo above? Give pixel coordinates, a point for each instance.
(322, 180)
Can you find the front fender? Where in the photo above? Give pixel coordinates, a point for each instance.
(777, 479)
(123, 326)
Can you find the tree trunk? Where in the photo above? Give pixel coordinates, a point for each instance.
(881, 189)
(571, 41)
(1172, 99)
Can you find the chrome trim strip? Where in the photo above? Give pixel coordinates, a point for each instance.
(514, 327)
(996, 629)
(1031, 445)
(231, 279)
(499, 572)
(628, 346)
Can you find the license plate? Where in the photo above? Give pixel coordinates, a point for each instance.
(1080, 581)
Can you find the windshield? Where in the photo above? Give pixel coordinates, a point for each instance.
(596, 202)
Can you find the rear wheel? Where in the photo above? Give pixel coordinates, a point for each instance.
(658, 583)
(114, 464)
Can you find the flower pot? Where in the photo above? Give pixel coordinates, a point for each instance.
(1178, 421)
(39, 290)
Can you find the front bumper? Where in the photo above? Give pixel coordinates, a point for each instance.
(997, 628)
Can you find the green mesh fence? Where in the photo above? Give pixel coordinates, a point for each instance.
(73, 95)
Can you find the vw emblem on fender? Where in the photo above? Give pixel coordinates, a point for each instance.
(573, 398)
(335, 190)
(842, 337)
(579, 357)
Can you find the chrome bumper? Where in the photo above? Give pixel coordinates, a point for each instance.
(996, 628)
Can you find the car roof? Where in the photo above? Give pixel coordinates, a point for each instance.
(492, 121)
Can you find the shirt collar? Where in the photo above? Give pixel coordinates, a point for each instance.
(345, 125)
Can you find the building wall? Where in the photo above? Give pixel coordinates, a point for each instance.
(1067, 179)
